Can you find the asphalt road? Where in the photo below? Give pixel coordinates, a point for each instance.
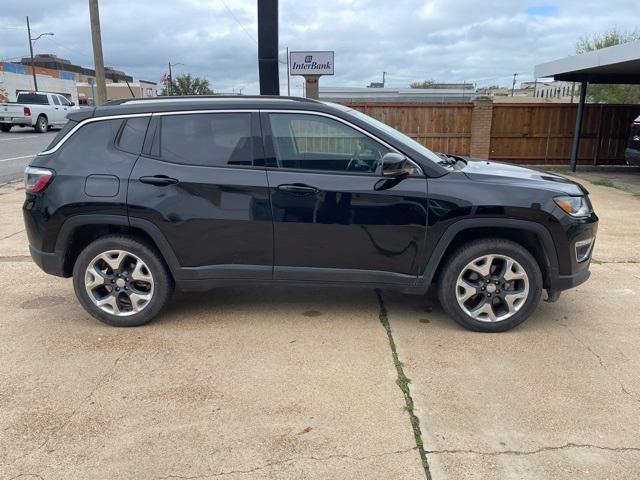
(17, 148)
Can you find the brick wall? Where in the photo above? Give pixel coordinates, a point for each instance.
(481, 118)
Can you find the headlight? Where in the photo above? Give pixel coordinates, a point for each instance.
(574, 206)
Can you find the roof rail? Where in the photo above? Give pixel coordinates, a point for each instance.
(177, 98)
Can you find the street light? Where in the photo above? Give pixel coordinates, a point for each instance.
(170, 77)
(31, 40)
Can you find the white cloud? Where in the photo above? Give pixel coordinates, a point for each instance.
(447, 40)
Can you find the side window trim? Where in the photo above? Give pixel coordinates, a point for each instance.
(270, 146)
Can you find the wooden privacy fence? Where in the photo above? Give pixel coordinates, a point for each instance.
(536, 133)
(442, 127)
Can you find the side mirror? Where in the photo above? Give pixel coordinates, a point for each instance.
(396, 165)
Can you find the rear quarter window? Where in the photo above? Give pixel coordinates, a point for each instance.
(91, 140)
(132, 134)
(63, 131)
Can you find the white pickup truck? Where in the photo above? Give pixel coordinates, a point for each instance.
(40, 110)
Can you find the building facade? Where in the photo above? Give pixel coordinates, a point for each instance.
(15, 77)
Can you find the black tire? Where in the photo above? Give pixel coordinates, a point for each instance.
(42, 124)
(457, 262)
(162, 280)
(5, 128)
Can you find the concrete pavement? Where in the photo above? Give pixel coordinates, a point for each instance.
(300, 383)
(236, 383)
(17, 148)
(558, 397)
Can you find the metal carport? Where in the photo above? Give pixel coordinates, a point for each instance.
(619, 64)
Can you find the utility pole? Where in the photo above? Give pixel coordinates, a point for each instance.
(268, 47)
(384, 76)
(31, 41)
(171, 76)
(288, 76)
(33, 65)
(513, 86)
(96, 38)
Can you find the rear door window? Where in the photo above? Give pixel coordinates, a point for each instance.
(207, 139)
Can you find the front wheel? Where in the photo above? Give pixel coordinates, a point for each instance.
(121, 281)
(490, 285)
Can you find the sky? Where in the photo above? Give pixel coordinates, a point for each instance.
(442, 40)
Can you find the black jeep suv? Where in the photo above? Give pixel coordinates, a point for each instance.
(137, 197)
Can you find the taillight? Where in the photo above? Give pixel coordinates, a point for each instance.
(36, 179)
(27, 111)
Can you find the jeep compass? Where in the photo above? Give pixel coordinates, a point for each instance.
(138, 197)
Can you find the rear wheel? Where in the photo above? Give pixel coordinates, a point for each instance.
(5, 128)
(490, 285)
(41, 124)
(121, 281)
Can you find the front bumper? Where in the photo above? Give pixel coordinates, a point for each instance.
(574, 270)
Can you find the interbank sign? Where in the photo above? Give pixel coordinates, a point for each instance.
(311, 63)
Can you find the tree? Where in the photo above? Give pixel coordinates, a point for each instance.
(422, 84)
(188, 85)
(609, 93)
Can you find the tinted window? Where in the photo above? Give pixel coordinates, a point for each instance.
(91, 140)
(313, 142)
(33, 98)
(64, 101)
(212, 139)
(61, 133)
(55, 99)
(132, 134)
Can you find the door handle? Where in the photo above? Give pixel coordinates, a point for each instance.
(297, 189)
(159, 180)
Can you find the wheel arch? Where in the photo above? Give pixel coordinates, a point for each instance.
(533, 236)
(80, 230)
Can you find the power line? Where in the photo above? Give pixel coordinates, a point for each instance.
(254, 39)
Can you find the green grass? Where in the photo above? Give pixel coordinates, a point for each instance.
(403, 382)
(604, 182)
(561, 170)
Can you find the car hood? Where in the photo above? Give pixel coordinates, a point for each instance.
(501, 173)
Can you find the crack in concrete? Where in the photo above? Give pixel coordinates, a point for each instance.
(75, 410)
(533, 452)
(403, 383)
(606, 262)
(23, 475)
(15, 258)
(285, 461)
(12, 234)
(602, 364)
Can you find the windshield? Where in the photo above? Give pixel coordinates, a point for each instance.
(401, 137)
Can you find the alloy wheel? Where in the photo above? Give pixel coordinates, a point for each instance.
(119, 283)
(492, 288)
